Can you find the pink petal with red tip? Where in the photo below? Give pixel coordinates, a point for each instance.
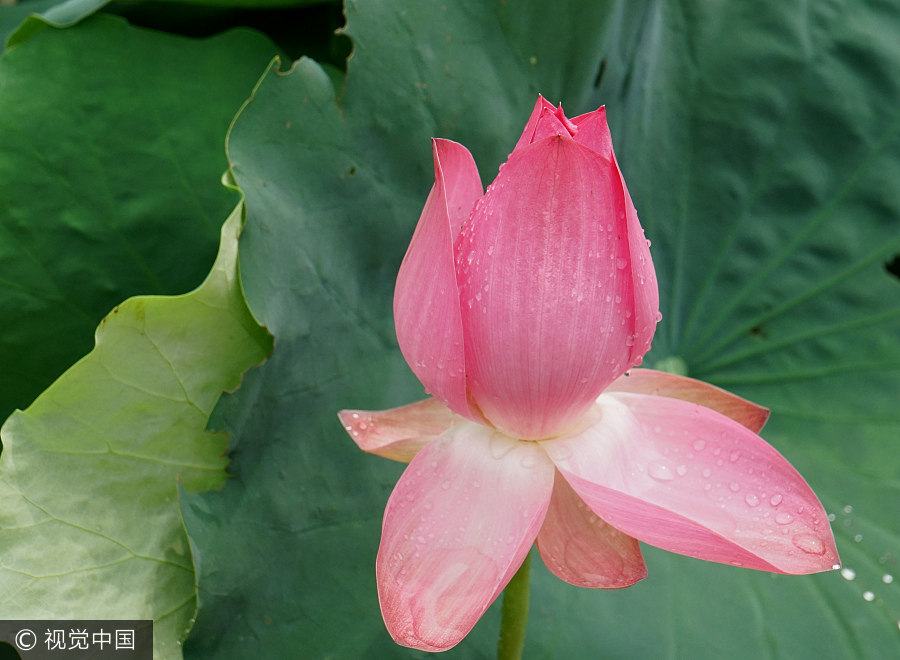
(457, 527)
(547, 294)
(582, 549)
(426, 298)
(398, 433)
(690, 480)
(660, 383)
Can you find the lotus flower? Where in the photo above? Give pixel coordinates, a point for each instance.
(522, 310)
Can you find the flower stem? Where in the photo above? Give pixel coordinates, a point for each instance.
(514, 614)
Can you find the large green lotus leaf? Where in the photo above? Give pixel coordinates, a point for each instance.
(90, 525)
(759, 144)
(110, 160)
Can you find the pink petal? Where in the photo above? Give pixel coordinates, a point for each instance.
(660, 383)
(398, 433)
(690, 480)
(593, 132)
(457, 527)
(527, 136)
(426, 299)
(548, 300)
(643, 277)
(552, 121)
(582, 549)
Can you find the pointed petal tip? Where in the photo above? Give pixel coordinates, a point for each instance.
(661, 383)
(398, 433)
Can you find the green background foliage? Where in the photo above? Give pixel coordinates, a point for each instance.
(110, 158)
(760, 144)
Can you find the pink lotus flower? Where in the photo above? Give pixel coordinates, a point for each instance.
(522, 310)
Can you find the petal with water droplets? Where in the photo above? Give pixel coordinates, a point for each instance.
(426, 298)
(579, 547)
(593, 132)
(457, 527)
(398, 433)
(660, 383)
(690, 480)
(548, 296)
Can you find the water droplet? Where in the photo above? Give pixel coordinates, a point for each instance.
(445, 485)
(609, 227)
(831, 517)
(658, 317)
(699, 445)
(868, 596)
(529, 460)
(363, 426)
(887, 578)
(783, 518)
(621, 263)
(735, 455)
(848, 509)
(751, 499)
(809, 543)
(857, 538)
(629, 340)
(681, 470)
(707, 472)
(500, 445)
(660, 471)
(776, 499)
(490, 250)
(618, 299)
(734, 486)
(848, 574)
(355, 415)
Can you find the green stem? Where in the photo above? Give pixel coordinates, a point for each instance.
(514, 614)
